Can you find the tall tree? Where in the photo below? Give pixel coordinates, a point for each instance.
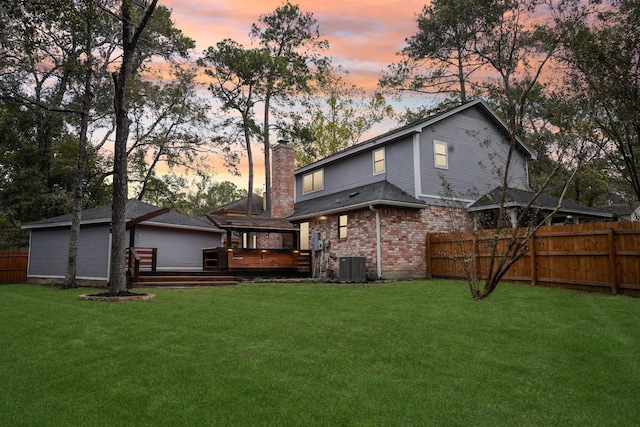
(48, 58)
(292, 41)
(170, 123)
(603, 53)
(210, 194)
(84, 111)
(440, 58)
(336, 117)
(161, 39)
(132, 30)
(236, 75)
(38, 68)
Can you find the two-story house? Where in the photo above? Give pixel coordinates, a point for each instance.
(380, 198)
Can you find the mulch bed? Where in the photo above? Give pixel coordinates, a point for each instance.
(119, 297)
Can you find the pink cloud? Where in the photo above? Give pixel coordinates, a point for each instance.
(364, 37)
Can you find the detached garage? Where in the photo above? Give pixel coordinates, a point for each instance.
(178, 238)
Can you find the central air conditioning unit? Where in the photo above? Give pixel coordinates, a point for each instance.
(353, 269)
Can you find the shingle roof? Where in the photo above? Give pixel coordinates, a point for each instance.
(252, 223)
(175, 218)
(381, 193)
(133, 209)
(516, 197)
(240, 205)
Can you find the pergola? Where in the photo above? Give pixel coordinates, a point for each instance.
(255, 224)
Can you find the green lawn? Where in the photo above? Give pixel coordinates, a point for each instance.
(398, 354)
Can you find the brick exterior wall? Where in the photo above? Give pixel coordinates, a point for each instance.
(274, 241)
(282, 180)
(403, 232)
(269, 240)
(403, 238)
(282, 195)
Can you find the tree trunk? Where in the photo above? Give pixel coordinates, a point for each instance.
(247, 140)
(267, 154)
(78, 193)
(117, 274)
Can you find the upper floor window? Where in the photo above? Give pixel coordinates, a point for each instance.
(342, 226)
(378, 161)
(313, 181)
(440, 155)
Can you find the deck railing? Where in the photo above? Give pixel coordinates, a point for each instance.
(140, 259)
(257, 261)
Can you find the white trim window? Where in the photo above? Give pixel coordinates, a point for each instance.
(313, 181)
(440, 155)
(379, 164)
(304, 235)
(342, 226)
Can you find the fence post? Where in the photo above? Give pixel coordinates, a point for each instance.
(476, 255)
(613, 273)
(428, 249)
(532, 260)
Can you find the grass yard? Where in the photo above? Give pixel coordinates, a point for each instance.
(398, 354)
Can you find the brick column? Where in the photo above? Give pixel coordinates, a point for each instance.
(282, 180)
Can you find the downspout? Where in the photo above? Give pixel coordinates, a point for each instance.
(378, 242)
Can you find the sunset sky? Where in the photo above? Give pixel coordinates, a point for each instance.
(364, 37)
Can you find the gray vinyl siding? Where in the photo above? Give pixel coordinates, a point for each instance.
(476, 155)
(347, 173)
(49, 251)
(400, 169)
(177, 248)
(357, 170)
(477, 149)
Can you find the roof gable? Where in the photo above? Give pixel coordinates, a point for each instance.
(418, 127)
(133, 209)
(240, 206)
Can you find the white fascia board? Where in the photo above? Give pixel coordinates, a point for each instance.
(359, 206)
(495, 206)
(183, 227)
(65, 224)
(561, 210)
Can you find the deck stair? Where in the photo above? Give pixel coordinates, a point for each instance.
(183, 279)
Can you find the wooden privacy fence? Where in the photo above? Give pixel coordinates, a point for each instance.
(599, 257)
(13, 267)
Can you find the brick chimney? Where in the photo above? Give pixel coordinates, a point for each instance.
(282, 180)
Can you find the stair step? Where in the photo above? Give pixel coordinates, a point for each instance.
(184, 278)
(184, 283)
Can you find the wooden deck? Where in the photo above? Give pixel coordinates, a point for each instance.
(258, 262)
(142, 272)
(220, 266)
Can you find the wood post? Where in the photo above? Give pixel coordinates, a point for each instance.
(154, 259)
(428, 245)
(613, 271)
